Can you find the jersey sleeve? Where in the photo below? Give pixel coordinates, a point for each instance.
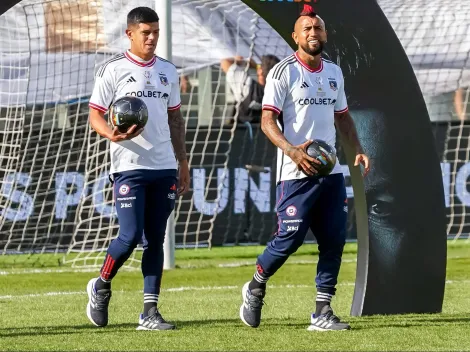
(341, 104)
(275, 90)
(174, 102)
(103, 90)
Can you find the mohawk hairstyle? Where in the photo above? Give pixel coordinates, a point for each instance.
(308, 11)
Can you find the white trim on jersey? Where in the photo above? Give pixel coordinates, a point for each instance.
(308, 98)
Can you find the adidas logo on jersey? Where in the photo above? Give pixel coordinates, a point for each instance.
(130, 80)
(304, 85)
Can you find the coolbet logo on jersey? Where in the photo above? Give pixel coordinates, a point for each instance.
(149, 94)
(316, 101)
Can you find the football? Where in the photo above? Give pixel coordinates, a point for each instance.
(324, 153)
(128, 111)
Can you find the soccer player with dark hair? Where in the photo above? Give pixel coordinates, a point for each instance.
(247, 92)
(144, 163)
(309, 91)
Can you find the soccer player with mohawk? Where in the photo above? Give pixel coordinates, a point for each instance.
(309, 91)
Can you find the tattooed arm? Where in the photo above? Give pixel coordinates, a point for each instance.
(178, 134)
(272, 131)
(347, 129)
(296, 153)
(178, 139)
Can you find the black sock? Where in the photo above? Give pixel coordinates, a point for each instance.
(100, 284)
(149, 309)
(258, 282)
(256, 285)
(323, 299)
(319, 307)
(150, 304)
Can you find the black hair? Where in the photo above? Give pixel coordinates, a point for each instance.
(141, 15)
(267, 63)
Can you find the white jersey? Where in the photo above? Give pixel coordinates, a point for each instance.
(308, 99)
(156, 82)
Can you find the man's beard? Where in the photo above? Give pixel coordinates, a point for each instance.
(314, 52)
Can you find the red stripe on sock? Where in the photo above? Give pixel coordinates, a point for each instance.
(104, 270)
(110, 268)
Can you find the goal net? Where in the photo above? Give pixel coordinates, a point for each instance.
(55, 192)
(55, 195)
(436, 37)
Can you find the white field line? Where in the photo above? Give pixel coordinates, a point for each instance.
(252, 263)
(95, 269)
(174, 289)
(190, 266)
(189, 288)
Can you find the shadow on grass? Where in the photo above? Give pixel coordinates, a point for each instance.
(397, 321)
(130, 327)
(363, 323)
(63, 330)
(237, 323)
(111, 328)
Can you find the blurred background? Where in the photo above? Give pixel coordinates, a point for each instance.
(55, 194)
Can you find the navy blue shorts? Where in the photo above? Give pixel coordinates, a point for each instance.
(318, 204)
(144, 201)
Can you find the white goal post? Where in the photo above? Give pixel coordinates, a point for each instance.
(163, 9)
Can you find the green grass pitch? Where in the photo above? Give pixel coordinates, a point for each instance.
(42, 307)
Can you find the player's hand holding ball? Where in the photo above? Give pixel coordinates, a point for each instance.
(299, 156)
(128, 115)
(118, 136)
(324, 154)
(314, 158)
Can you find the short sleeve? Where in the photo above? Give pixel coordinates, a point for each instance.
(276, 89)
(103, 90)
(174, 102)
(341, 104)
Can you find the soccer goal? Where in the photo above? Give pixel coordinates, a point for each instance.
(439, 52)
(55, 195)
(55, 192)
